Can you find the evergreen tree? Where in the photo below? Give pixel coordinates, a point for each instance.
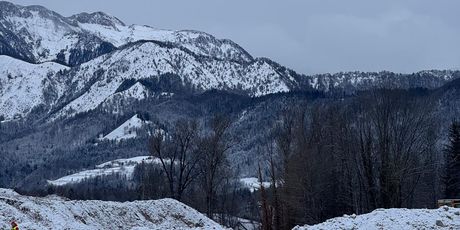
(452, 176)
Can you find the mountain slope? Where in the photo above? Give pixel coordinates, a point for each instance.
(186, 59)
(95, 81)
(36, 34)
(57, 213)
(126, 130)
(199, 43)
(352, 81)
(24, 86)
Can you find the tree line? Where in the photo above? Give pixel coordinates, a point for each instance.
(382, 150)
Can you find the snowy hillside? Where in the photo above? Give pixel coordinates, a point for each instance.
(124, 167)
(395, 219)
(367, 80)
(36, 34)
(24, 86)
(57, 213)
(198, 42)
(151, 60)
(126, 130)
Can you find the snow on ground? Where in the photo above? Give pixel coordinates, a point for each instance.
(238, 222)
(253, 183)
(397, 219)
(124, 167)
(125, 131)
(54, 212)
(249, 224)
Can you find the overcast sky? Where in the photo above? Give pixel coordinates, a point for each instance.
(310, 36)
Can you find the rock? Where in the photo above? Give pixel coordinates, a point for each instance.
(445, 208)
(457, 213)
(440, 223)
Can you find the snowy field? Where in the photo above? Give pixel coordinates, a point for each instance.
(253, 184)
(126, 130)
(394, 219)
(54, 212)
(124, 167)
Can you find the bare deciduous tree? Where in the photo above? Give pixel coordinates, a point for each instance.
(177, 154)
(212, 150)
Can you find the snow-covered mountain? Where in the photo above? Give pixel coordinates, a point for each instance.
(104, 55)
(24, 86)
(97, 80)
(198, 60)
(58, 213)
(36, 34)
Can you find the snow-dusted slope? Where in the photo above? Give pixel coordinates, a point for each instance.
(367, 80)
(124, 167)
(24, 86)
(150, 60)
(201, 61)
(395, 219)
(36, 34)
(57, 213)
(137, 91)
(126, 130)
(198, 42)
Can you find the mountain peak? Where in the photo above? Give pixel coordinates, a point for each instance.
(99, 18)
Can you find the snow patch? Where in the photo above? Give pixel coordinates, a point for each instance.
(23, 85)
(124, 167)
(126, 130)
(394, 219)
(253, 183)
(54, 212)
